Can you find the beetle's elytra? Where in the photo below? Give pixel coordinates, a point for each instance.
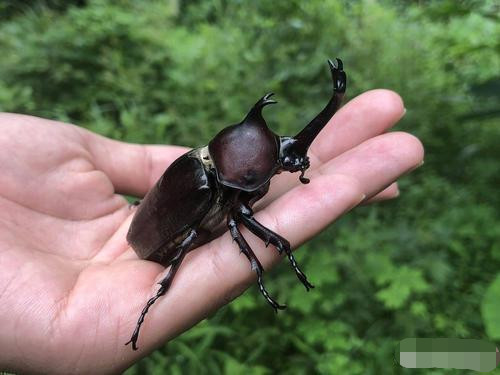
(223, 180)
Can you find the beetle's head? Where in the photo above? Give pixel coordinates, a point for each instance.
(293, 150)
(292, 158)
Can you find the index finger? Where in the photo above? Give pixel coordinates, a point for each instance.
(132, 168)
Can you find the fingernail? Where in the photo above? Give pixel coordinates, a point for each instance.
(361, 199)
(419, 165)
(416, 166)
(404, 113)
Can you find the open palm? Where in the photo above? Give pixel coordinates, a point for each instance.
(71, 288)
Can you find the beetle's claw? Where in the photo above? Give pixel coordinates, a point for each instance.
(277, 307)
(307, 284)
(302, 277)
(133, 340)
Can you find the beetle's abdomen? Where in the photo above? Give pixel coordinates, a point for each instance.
(180, 200)
(244, 155)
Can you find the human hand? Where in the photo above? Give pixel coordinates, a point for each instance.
(71, 288)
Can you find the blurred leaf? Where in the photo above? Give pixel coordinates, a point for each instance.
(490, 309)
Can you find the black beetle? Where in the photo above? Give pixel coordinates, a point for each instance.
(224, 179)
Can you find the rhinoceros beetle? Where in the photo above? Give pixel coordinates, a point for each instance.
(223, 180)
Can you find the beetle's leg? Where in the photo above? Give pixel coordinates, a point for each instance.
(164, 284)
(254, 262)
(269, 237)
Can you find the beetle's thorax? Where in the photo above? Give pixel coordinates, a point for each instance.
(245, 155)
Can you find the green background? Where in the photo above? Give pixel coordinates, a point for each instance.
(176, 72)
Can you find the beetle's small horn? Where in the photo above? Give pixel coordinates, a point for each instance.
(255, 114)
(265, 100)
(307, 135)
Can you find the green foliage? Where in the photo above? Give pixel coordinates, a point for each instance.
(490, 308)
(177, 72)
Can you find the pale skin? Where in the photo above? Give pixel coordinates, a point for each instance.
(71, 289)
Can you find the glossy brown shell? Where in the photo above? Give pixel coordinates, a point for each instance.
(179, 201)
(245, 155)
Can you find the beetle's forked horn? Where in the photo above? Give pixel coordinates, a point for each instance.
(307, 135)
